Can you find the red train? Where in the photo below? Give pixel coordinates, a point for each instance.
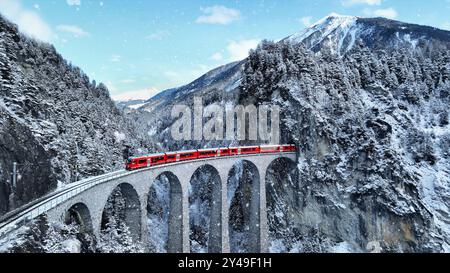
(170, 157)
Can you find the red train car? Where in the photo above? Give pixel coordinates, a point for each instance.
(289, 148)
(235, 151)
(224, 152)
(187, 155)
(157, 159)
(207, 153)
(270, 149)
(137, 163)
(171, 157)
(250, 150)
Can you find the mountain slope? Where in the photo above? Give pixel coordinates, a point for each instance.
(56, 124)
(373, 133)
(153, 118)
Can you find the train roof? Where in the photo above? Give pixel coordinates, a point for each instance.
(210, 149)
(190, 151)
(269, 146)
(152, 155)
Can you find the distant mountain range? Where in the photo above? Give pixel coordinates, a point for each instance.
(335, 33)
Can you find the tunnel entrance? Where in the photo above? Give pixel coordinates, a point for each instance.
(165, 214)
(205, 211)
(244, 208)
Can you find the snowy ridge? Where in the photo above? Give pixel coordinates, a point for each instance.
(333, 28)
(339, 34)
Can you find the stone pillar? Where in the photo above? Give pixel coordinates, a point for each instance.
(185, 216)
(177, 216)
(215, 226)
(96, 214)
(225, 212)
(144, 222)
(255, 213)
(264, 231)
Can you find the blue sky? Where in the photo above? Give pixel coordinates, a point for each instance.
(140, 47)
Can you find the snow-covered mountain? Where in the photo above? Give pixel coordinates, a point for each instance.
(335, 33)
(54, 122)
(339, 34)
(365, 100)
(219, 85)
(130, 104)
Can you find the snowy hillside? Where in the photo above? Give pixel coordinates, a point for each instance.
(153, 118)
(55, 123)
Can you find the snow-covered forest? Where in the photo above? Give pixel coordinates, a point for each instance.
(364, 100)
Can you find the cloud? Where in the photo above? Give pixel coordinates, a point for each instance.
(217, 56)
(218, 15)
(239, 50)
(158, 35)
(73, 2)
(29, 21)
(141, 94)
(349, 3)
(390, 13)
(76, 31)
(446, 25)
(127, 81)
(306, 21)
(115, 58)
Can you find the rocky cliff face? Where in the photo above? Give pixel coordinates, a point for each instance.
(372, 129)
(55, 123)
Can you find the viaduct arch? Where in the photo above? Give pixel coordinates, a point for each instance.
(87, 200)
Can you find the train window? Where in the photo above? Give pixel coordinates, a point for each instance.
(142, 161)
(186, 155)
(156, 159)
(171, 157)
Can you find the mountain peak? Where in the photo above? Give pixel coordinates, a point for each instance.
(339, 33)
(335, 18)
(324, 28)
